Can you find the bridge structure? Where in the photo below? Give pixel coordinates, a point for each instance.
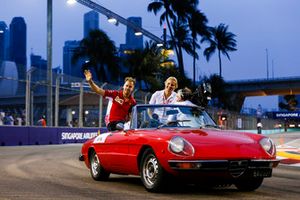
(239, 90)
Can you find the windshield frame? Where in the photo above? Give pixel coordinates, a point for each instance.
(135, 124)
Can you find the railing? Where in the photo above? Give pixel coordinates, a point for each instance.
(76, 105)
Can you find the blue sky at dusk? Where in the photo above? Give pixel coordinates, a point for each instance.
(258, 24)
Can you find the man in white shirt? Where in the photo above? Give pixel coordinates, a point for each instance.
(166, 96)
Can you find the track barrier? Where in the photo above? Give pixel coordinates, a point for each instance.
(32, 135)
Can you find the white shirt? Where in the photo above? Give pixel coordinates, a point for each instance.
(186, 103)
(2, 115)
(158, 97)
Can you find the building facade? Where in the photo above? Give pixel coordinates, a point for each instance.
(40, 65)
(17, 44)
(69, 68)
(90, 22)
(134, 41)
(4, 41)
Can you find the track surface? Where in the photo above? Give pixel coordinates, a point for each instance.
(54, 172)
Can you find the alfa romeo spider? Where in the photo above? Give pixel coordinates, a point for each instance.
(182, 143)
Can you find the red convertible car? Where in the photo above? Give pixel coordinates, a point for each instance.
(183, 143)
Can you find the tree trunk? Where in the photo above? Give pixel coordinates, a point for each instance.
(194, 63)
(173, 39)
(180, 61)
(220, 63)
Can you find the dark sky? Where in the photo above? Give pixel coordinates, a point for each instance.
(258, 24)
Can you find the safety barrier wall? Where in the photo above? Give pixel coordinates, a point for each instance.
(30, 135)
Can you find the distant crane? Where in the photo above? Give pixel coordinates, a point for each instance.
(109, 14)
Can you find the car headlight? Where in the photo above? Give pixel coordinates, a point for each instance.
(268, 145)
(180, 146)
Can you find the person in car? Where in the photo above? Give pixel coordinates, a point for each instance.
(122, 100)
(184, 96)
(167, 95)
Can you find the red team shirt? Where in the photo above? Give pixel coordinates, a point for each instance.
(120, 108)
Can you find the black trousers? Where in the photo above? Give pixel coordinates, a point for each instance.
(112, 125)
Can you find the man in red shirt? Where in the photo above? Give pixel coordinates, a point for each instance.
(122, 100)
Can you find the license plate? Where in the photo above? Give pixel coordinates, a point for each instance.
(262, 173)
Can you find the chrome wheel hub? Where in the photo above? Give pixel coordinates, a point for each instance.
(95, 164)
(150, 171)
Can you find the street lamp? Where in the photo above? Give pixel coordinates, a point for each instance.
(119, 18)
(112, 20)
(138, 33)
(71, 2)
(49, 62)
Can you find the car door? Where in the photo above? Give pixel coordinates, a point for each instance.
(112, 149)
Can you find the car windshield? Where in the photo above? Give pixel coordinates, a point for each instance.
(164, 116)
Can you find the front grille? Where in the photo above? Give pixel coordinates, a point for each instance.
(237, 167)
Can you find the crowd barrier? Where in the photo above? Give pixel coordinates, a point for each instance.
(30, 135)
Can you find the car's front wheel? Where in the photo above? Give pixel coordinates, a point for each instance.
(152, 174)
(98, 173)
(250, 184)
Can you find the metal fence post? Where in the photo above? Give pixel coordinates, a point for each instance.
(49, 63)
(31, 107)
(80, 122)
(101, 106)
(28, 96)
(57, 83)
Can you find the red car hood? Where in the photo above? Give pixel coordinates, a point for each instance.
(217, 144)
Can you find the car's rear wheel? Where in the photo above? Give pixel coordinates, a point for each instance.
(250, 184)
(98, 173)
(152, 174)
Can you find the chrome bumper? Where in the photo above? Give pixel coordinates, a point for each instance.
(256, 168)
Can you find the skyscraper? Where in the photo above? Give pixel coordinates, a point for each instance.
(68, 52)
(4, 41)
(17, 45)
(90, 22)
(39, 74)
(40, 65)
(134, 41)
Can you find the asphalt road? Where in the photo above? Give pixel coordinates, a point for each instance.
(54, 172)
(286, 138)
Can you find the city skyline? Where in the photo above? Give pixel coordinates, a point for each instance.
(261, 26)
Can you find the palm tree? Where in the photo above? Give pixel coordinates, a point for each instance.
(197, 23)
(183, 41)
(144, 64)
(220, 40)
(177, 15)
(167, 15)
(101, 53)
